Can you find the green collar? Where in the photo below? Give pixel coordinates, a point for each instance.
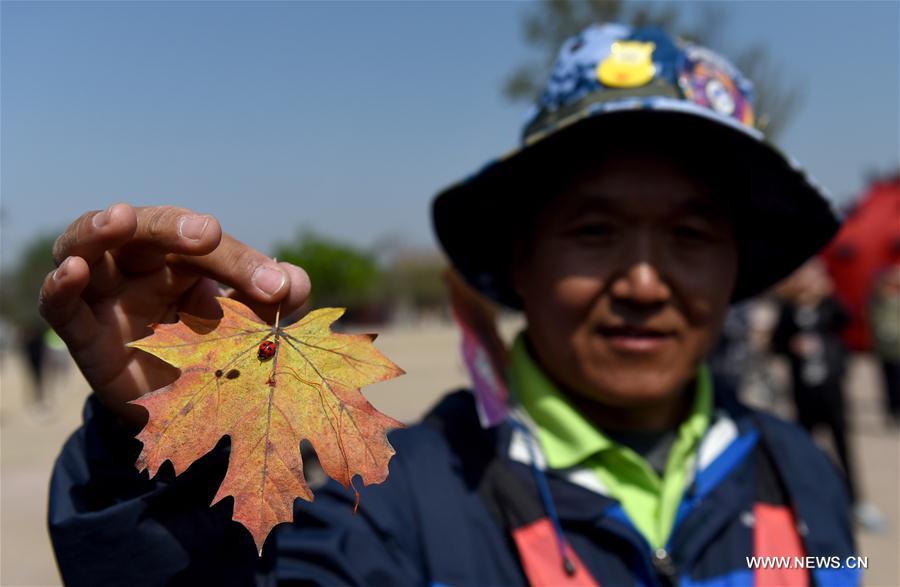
(569, 439)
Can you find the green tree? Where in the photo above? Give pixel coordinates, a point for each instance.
(21, 285)
(341, 274)
(551, 22)
(413, 281)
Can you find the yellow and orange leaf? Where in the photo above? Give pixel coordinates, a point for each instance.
(308, 390)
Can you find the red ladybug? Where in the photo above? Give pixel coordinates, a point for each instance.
(266, 350)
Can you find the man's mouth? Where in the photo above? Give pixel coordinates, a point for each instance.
(635, 339)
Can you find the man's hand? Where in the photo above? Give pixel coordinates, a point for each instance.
(123, 268)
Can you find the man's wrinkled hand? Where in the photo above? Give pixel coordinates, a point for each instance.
(123, 268)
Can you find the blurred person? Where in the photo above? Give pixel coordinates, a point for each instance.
(884, 320)
(740, 358)
(808, 333)
(56, 363)
(732, 352)
(867, 244)
(7, 340)
(46, 359)
(34, 349)
(641, 204)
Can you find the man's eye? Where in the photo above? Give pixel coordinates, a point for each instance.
(594, 229)
(693, 233)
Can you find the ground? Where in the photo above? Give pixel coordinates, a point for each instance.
(30, 440)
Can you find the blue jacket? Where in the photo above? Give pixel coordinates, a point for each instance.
(431, 523)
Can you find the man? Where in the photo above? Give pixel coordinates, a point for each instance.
(641, 204)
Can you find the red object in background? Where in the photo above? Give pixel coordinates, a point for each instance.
(868, 243)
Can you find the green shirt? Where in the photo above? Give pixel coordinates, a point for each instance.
(568, 439)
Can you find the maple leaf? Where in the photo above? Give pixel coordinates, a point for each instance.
(308, 390)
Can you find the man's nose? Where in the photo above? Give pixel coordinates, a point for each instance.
(641, 283)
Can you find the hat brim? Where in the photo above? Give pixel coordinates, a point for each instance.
(784, 216)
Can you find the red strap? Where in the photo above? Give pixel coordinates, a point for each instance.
(775, 535)
(542, 561)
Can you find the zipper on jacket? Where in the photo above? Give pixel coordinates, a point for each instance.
(665, 568)
(657, 564)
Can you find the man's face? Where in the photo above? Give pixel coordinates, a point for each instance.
(627, 279)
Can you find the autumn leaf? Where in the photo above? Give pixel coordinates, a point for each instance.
(309, 389)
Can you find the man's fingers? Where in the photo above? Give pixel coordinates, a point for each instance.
(301, 287)
(255, 276)
(123, 241)
(296, 297)
(62, 307)
(164, 230)
(140, 238)
(95, 232)
(200, 300)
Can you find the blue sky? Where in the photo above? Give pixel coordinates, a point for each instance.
(347, 117)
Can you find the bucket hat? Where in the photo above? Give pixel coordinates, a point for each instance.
(613, 83)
